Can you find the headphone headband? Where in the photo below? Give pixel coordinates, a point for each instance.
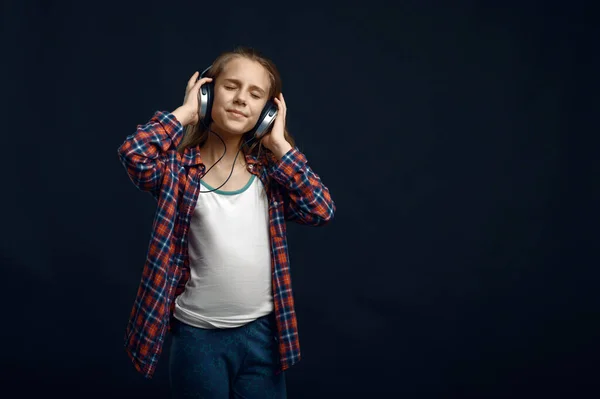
(205, 72)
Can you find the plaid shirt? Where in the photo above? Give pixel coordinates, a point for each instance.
(150, 157)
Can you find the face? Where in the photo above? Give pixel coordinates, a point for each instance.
(241, 92)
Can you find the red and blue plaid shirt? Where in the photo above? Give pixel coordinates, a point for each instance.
(150, 157)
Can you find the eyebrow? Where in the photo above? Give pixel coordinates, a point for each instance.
(239, 83)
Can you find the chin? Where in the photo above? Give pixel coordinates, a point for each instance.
(236, 128)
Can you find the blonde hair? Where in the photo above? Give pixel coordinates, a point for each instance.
(196, 135)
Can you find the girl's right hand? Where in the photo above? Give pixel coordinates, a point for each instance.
(188, 112)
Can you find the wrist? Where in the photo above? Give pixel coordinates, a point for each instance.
(280, 149)
(183, 115)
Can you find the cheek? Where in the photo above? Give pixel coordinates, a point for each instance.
(218, 100)
(258, 108)
(218, 108)
(255, 115)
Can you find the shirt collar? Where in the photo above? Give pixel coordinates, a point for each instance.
(191, 156)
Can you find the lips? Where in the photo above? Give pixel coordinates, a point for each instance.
(233, 111)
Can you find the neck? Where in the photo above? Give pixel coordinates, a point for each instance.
(213, 149)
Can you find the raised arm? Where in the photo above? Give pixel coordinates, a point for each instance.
(144, 153)
(308, 200)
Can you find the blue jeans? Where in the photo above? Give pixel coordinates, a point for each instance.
(226, 363)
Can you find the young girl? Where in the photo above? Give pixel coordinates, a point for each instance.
(217, 272)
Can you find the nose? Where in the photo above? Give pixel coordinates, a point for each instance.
(240, 97)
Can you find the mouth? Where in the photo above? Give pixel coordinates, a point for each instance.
(234, 112)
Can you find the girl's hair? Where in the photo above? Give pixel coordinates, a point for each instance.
(196, 135)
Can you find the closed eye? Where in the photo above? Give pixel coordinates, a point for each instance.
(254, 95)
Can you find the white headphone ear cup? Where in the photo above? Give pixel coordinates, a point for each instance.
(265, 120)
(205, 100)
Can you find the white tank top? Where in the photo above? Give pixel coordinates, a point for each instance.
(230, 280)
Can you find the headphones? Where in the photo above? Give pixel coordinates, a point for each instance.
(206, 96)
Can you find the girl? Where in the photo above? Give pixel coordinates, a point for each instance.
(217, 273)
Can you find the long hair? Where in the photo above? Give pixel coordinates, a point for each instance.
(196, 135)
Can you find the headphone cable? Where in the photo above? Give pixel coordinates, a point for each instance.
(234, 159)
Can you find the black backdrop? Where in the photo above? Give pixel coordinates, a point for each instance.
(455, 266)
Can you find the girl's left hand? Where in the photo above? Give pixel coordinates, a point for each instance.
(275, 139)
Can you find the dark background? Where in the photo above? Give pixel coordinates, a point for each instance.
(454, 141)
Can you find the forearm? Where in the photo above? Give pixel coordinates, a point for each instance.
(310, 201)
(280, 150)
(184, 115)
(142, 152)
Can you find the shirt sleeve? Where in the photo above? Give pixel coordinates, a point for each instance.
(144, 152)
(309, 200)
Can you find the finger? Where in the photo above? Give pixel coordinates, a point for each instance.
(281, 105)
(203, 80)
(193, 79)
(200, 82)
